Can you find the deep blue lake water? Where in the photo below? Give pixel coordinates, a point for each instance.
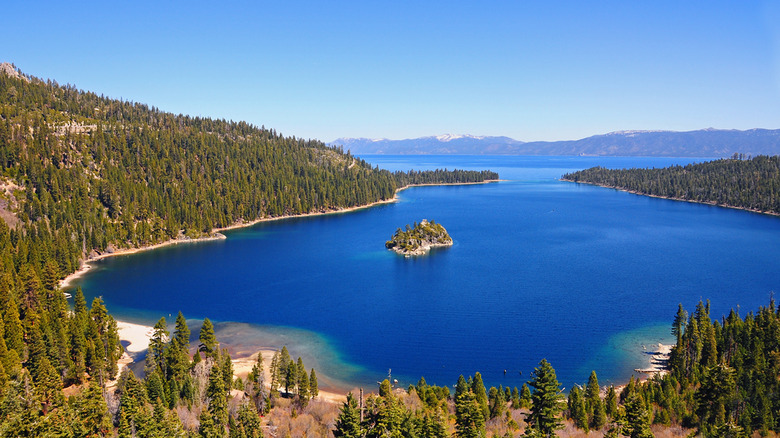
(583, 276)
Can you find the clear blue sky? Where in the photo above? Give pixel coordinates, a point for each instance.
(531, 70)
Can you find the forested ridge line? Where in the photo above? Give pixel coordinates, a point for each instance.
(81, 174)
(749, 184)
(86, 172)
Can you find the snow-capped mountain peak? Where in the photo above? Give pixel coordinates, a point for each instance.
(450, 137)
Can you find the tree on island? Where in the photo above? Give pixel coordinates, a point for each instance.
(418, 240)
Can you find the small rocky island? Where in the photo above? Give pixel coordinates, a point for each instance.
(419, 239)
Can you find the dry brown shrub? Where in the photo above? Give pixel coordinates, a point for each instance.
(189, 418)
(519, 415)
(324, 412)
(769, 434)
(571, 431)
(497, 427)
(305, 425)
(661, 431)
(410, 399)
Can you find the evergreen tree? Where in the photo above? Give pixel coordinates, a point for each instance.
(227, 369)
(599, 417)
(480, 394)
(516, 398)
(178, 351)
(637, 418)
(283, 369)
(385, 417)
(546, 400)
(469, 420)
(610, 402)
(207, 338)
(348, 421)
(93, 412)
(48, 385)
(155, 354)
(596, 411)
(433, 426)
(525, 397)
(461, 387)
(256, 383)
(246, 424)
(385, 389)
(496, 402)
(303, 381)
(13, 326)
(275, 375)
(216, 394)
(716, 397)
(313, 385)
(155, 387)
(132, 413)
(290, 377)
(577, 410)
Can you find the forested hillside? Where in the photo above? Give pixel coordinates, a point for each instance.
(85, 172)
(723, 377)
(751, 184)
(90, 171)
(82, 174)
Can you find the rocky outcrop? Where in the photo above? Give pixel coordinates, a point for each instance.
(418, 240)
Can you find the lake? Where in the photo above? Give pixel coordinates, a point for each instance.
(586, 277)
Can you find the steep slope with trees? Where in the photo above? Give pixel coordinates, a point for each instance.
(87, 173)
(82, 174)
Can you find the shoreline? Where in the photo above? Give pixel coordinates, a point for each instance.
(671, 198)
(135, 342)
(659, 361)
(65, 283)
(135, 337)
(216, 233)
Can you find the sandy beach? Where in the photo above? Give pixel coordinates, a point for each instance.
(135, 340)
(134, 337)
(243, 366)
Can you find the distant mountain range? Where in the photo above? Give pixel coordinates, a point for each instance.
(701, 143)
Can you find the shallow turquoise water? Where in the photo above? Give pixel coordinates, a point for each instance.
(580, 275)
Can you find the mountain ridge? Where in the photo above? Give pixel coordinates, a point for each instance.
(708, 142)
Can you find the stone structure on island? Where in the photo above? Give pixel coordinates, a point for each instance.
(418, 240)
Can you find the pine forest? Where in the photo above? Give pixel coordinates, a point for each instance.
(83, 174)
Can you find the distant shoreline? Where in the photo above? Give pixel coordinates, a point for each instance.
(671, 198)
(216, 234)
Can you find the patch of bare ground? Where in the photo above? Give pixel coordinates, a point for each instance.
(8, 203)
(74, 128)
(670, 431)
